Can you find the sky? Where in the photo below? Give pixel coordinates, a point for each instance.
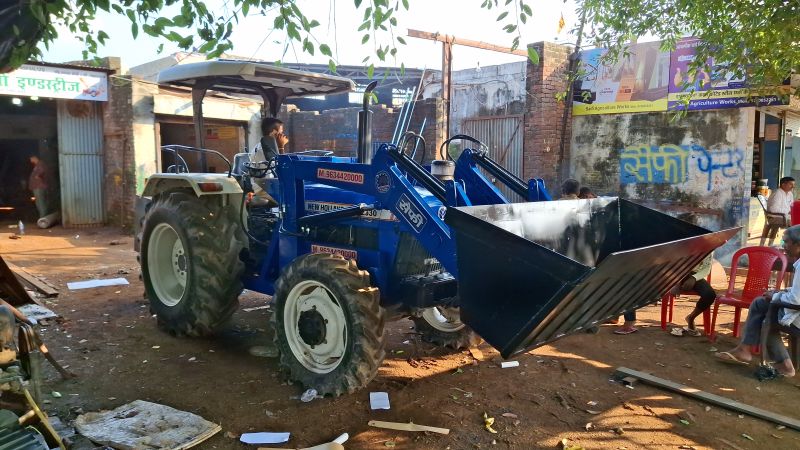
(253, 38)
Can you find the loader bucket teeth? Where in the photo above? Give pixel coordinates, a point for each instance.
(530, 273)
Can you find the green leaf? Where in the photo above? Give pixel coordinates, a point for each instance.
(131, 15)
(102, 37)
(401, 40)
(370, 71)
(134, 30)
(358, 4)
(533, 55)
(527, 10)
(364, 26)
(364, 39)
(15, 29)
(405, 4)
(279, 23)
(325, 50)
(523, 18)
(313, 24)
(331, 66)
(103, 4)
(502, 16)
(245, 7)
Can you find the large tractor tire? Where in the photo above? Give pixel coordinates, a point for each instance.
(190, 263)
(443, 327)
(328, 324)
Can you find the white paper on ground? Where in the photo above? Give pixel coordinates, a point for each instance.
(96, 283)
(264, 438)
(507, 364)
(379, 400)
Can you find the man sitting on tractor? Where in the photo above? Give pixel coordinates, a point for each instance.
(273, 143)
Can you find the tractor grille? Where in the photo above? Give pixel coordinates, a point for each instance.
(413, 259)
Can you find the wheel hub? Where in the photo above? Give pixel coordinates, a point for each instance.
(311, 327)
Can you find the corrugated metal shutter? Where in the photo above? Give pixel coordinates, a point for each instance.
(503, 136)
(80, 163)
(793, 123)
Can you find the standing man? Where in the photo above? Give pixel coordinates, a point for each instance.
(37, 183)
(780, 202)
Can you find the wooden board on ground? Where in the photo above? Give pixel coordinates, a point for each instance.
(10, 288)
(142, 424)
(709, 398)
(47, 289)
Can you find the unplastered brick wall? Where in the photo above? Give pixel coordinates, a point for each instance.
(118, 155)
(337, 129)
(543, 156)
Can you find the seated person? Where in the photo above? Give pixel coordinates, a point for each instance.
(273, 143)
(780, 201)
(570, 189)
(585, 192)
(758, 310)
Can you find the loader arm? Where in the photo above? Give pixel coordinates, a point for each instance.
(482, 192)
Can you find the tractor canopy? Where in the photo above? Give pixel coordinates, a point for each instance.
(530, 273)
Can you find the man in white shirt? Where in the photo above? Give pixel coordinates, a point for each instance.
(780, 202)
(759, 309)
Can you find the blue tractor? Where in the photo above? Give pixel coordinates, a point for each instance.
(348, 243)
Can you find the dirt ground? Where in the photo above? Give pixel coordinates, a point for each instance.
(559, 391)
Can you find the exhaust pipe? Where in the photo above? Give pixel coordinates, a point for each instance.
(365, 127)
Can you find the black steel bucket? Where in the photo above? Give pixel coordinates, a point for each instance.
(530, 273)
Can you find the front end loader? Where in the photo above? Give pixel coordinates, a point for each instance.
(357, 241)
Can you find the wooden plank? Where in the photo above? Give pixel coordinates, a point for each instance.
(37, 283)
(466, 42)
(11, 288)
(709, 398)
(406, 426)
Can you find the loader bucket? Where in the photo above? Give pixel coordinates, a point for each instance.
(530, 273)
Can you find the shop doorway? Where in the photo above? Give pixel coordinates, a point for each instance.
(27, 128)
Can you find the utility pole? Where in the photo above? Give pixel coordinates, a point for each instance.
(447, 60)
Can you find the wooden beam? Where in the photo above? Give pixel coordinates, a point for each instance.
(709, 398)
(465, 42)
(10, 287)
(37, 283)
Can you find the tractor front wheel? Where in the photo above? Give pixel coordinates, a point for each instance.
(328, 324)
(190, 263)
(442, 326)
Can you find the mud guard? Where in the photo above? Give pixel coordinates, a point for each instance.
(531, 273)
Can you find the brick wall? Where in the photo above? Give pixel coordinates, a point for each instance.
(337, 129)
(119, 183)
(542, 155)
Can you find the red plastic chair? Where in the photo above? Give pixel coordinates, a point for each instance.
(668, 302)
(759, 272)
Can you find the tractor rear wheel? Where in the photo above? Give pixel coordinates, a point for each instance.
(328, 324)
(442, 326)
(190, 263)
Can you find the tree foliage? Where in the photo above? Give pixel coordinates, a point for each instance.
(196, 27)
(759, 39)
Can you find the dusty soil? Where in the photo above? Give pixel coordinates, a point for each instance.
(110, 340)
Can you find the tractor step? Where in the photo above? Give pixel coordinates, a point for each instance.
(531, 273)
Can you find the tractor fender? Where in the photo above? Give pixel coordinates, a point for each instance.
(162, 182)
(227, 192)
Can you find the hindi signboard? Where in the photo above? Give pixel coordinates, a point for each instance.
(55, 82)
(715, 90)
(635, 83)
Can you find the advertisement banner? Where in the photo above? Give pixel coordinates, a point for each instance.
(716, 89)
(55, 82)
(638, 82)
